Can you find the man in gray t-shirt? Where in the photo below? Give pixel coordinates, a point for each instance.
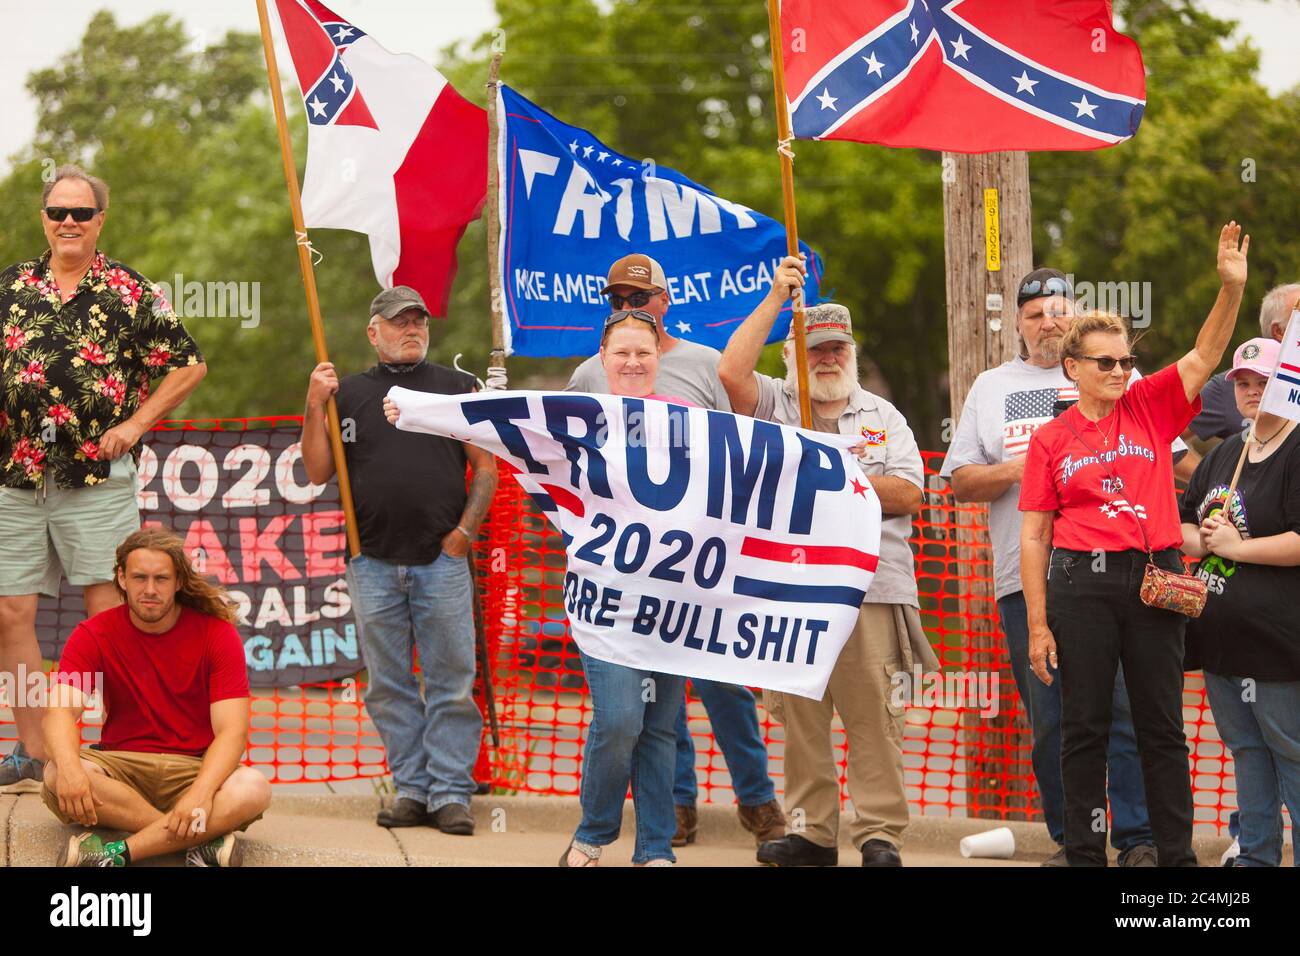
(1003, 409)
(689, 371)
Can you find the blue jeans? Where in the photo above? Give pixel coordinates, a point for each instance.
(631, 737)
(1264, 737)
(1129, 824)
(432, 743)
(734, 719)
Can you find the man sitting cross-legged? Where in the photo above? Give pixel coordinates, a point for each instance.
(175, 694)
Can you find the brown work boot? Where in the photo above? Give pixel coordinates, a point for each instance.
(688, 822)
(765, 821)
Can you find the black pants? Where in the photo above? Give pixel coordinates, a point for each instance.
(1098, 620)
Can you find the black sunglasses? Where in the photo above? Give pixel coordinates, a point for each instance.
(629, 314)
(78, 213)
(1037, 288)
(635, 300)
(1106, 363)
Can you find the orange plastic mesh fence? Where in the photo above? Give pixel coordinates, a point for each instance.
(966, 751)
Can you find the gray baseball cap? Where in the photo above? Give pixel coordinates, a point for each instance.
(397, 300)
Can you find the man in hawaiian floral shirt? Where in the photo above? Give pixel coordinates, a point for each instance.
(82, 338)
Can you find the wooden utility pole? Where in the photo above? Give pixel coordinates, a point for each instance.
(988, 248)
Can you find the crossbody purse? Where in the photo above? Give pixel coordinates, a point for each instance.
(1169, 590)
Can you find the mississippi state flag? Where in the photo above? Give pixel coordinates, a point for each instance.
(392, 150)
(971, 76)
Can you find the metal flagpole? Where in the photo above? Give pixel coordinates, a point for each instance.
(496, 299)
(308, 274)
(784, 139)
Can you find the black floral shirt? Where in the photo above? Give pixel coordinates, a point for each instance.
(70, 371)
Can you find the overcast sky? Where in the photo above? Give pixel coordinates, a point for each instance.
(423, 27)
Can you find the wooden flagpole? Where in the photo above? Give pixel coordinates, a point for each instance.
(308, 274)
(784, 139)
(497, 366)
(1241, 461)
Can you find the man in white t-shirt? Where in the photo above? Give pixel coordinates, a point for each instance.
(1004, 408)
(689, 370)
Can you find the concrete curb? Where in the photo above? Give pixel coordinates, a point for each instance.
(321, 829)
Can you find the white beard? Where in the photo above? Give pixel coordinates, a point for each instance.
(824, 388)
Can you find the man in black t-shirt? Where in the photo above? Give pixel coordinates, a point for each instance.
(411, 584)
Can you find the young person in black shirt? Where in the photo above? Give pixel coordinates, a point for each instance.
(411, 584)
(1247, 640)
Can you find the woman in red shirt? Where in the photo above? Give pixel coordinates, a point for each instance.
(1098, 498)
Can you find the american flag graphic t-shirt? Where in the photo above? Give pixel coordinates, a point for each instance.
(1024, 411)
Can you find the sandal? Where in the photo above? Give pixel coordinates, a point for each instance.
(592, 853)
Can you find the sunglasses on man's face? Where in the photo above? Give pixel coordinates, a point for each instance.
(78, 213)
(1106, 363)
(636, 300)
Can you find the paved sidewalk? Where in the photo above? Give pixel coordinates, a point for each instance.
(308, 825)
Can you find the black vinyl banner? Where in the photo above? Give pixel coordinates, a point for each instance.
(253, 523)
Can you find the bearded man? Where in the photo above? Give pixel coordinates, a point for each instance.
(887, 637)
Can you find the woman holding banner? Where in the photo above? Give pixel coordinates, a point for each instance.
(1100, 563)
(632, 737)
(1241, 517)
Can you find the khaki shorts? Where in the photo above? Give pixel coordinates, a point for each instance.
(161, 779)
(50, 532)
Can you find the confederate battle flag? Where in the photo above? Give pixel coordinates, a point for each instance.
(392, 149)
(972, 76)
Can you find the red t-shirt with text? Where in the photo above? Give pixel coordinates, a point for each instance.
(1076, 478)
(157, 687)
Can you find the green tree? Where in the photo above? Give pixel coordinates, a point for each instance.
(1214, 145)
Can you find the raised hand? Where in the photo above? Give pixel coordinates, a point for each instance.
(789, 277)
(1232, 257)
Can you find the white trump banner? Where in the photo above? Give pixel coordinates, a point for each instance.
(699, 542)
(1282, 394)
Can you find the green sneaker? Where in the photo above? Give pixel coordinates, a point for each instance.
(87, 849)
(224, 851)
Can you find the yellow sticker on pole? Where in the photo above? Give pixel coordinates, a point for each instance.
(992, 232)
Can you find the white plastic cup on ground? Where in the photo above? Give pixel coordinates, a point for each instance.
(999, 844)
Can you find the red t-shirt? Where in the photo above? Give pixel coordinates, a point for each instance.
(157, 687)
(1065, 475)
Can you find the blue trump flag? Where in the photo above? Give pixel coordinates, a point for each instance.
(570, 206)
